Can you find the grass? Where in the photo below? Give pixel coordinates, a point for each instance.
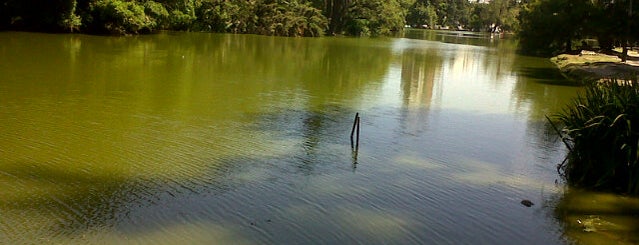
(601, 131)
(565, 60)
(585, 69)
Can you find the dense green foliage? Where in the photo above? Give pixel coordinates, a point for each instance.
(545, 27)
(120, 17)
(601, 129)
(439, 13)
(268, 17)
(552, 26)
(496, 16)
(363, 18)
(294, 18)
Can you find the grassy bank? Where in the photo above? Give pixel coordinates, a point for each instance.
(589, 67)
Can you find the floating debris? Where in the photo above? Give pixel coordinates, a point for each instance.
(527, 203)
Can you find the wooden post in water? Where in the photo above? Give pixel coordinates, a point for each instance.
(356, 123)
(357, 141)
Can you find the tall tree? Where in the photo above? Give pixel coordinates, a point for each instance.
(335, 11)
(422, 13)
(501, 14)
(374, 17)
(615, 22)
(550, 26)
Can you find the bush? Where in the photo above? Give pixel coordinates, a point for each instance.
(158, 12)
(121, 17)
(601, 130)
(278, 18)
(358, 27)
(226, 16)
(69, 20)
(213, 16)
(181, 21)
(374, 18)
(291, 19)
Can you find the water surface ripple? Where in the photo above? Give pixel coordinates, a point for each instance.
(238, 139)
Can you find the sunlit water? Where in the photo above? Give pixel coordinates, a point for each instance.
(198, 138)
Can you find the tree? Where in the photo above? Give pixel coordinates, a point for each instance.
(458, 13)
(422, 12)
(498, 14)
(158, 14)
(269, 17)
(336, 11)
(454, 13)
(374, 17)
(482, 17)
(550, 26)
(53, 15)
(615, 22)
(120, 17)
(291, 19)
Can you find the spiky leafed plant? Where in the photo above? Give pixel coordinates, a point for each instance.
(601, 130)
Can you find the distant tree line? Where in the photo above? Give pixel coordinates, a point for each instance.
(543, 26)
(495, 16)
(267, 17)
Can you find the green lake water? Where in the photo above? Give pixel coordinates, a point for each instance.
(200, 138)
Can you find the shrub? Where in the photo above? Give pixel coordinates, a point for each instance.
(181, 21)
(69, 20)
(121, 17)
(226, 16)
(292, 19)
(374, 17)
(601, 130)
(158, 12)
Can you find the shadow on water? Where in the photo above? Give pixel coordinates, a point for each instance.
(539, 70)
(546, 75)
(174, 97)
(318, 132)
(75, 201)
(40, 201)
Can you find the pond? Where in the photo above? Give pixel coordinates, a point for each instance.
(201, 138)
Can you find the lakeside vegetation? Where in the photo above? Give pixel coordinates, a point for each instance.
(544, 27)
(266, 17)
(601, 132)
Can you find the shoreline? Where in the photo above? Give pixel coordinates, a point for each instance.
(589, 66)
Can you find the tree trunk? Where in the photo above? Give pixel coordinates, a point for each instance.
(336, 10)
